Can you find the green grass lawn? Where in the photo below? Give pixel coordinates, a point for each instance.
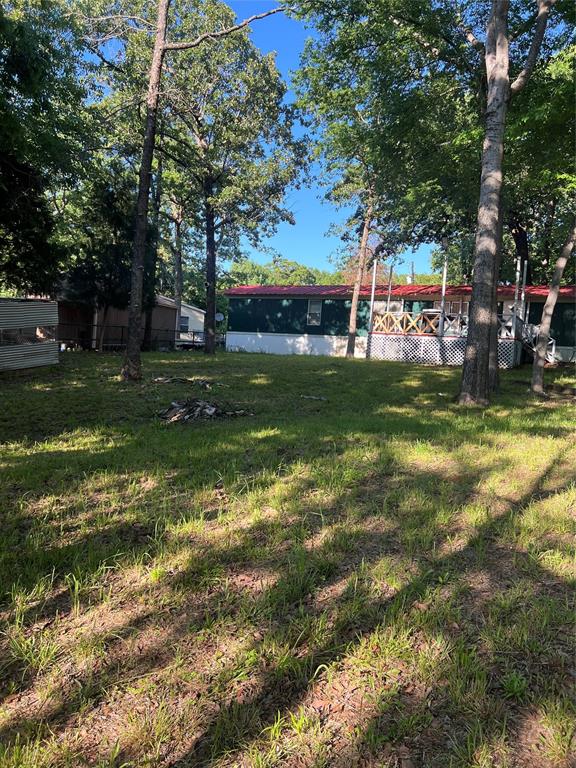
(376, 579)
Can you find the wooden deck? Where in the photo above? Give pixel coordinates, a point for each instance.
(430, 338)
(433, 323)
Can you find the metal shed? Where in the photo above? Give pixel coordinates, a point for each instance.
(28, 333)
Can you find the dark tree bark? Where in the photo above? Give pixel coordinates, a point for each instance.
(151, 275)
(147, 337)
(132, 368)
(177, 218)
(520, 237)
(360, 272)
(475, 384)
(548, 311)
(102, 328)
(210, 316)
(390, 278)
(493, 369)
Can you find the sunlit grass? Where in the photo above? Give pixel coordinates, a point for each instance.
(375, 577)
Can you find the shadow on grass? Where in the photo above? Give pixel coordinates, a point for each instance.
(284, 690)
(322, 549)
(280, 606)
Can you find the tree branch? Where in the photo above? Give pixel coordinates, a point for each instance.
(544, 8)
(135, 102)
(185, 45)
(524, 27)
(96, 52)
(402, 21)
(119, 17)
(180, 140)
(471, 37)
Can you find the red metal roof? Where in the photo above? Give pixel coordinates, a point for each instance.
(567, 292)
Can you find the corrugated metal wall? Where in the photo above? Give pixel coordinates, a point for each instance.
(28, 313)
(16, 313)
(28, 355)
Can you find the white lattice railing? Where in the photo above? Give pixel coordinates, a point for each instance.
(433, 323)
(428, 338)
(419, 323)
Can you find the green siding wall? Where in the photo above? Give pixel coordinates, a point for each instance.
(288, 315)
(563, 327)
(417, 306)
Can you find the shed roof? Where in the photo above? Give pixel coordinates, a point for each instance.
(412, 291)
(166, 301)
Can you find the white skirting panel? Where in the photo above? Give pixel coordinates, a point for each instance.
(292, 344)
(432, 350)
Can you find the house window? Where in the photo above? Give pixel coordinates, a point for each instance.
(184, 324)
(314, 316)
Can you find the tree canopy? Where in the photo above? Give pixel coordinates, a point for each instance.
(43, 136)
(280, 271)
(403, 81)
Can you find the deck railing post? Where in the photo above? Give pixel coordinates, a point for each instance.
(515, 311)
(523, 294)
(372, 295)
(444, 280)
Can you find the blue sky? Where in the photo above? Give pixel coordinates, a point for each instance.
(307, 241)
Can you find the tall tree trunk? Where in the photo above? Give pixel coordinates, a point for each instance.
(475, 384)
(493, 369)
(147, 338)
(132, 367)
(102, 329)
(548, 311)
(151, 276)
(362, 256)
(210, 316)
(520, 237)
(390, 278)
(178, 280)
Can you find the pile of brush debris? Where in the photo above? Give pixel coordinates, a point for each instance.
(193, 409)
(204, 383)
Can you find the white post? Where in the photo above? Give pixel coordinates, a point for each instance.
(516, 292)
(523, 295)
(515, 308)
(443, 297)
(372, 295)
